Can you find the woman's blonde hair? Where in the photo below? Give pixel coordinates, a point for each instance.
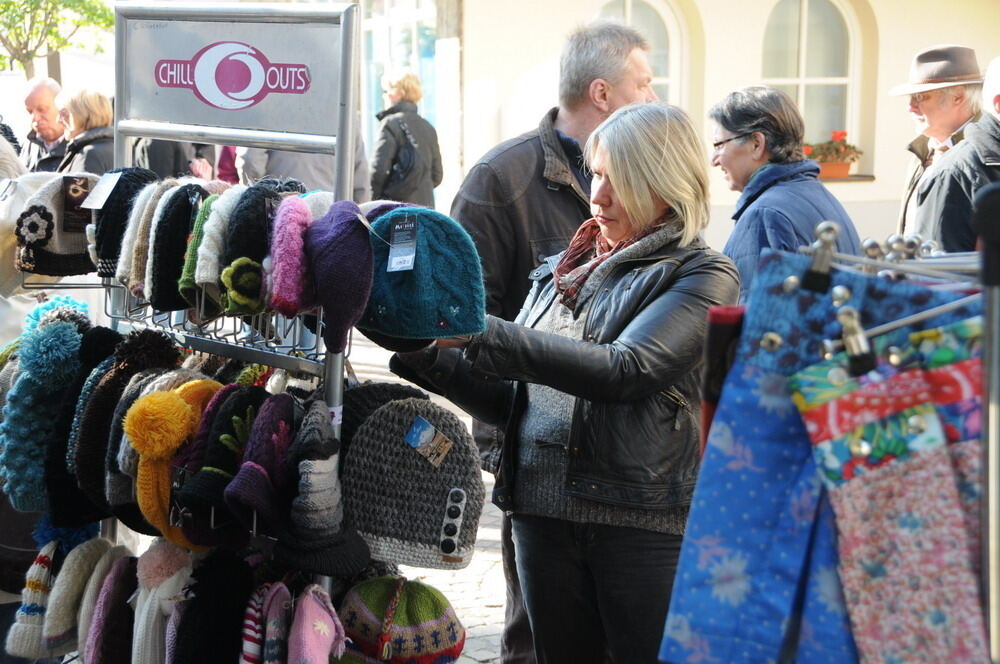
(89, 108)
(406, 83)
(652, 153)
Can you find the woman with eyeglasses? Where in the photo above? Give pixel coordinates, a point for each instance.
(757, 142)
(597, 386)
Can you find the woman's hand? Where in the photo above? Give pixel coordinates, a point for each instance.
(453, 342)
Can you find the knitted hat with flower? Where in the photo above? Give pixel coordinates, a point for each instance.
(48, 241)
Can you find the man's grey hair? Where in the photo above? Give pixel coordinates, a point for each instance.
(599, 50)
(768, 111)
(973, 96)
(44, 81)
(991, 87)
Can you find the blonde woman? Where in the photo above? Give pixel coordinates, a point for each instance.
(88, 117)
(407, 161)
(597, 384)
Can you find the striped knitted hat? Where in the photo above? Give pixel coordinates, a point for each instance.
(409, 510)
(253, 627)
(59, 630)
(25, 636)
(277, 616)
(390, 620)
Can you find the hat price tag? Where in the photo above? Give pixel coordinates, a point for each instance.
(101, 192)
(428, 441)
(402, 244)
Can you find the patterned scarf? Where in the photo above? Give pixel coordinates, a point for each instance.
(587, 250)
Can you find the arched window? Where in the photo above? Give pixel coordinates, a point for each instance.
(659, 26)
(808, 54)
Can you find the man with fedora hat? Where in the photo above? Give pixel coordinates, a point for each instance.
(945, 197)
(944, 87)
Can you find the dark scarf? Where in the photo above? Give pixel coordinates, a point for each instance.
(586, 251)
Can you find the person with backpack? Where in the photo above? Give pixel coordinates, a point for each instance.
(407, 162)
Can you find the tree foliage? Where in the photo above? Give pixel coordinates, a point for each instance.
(34, 28)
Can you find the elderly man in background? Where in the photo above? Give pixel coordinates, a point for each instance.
(46, 144)
(945, 196)
(944, 88)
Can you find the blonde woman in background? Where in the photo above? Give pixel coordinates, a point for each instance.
(597, 385)
(88, 117)
(415, 175)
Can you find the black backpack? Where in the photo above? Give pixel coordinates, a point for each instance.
(408, 169)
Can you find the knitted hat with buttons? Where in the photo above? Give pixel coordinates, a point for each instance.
(203, 494)
(187, 286)
(277, 612)
(25, 636)
(162, 571)
(258, 495)
(112, 219)
(317, 540)
(317, 633)
(340, 258)
(246, 247)
(393, 620)
(213, 243)
(145, 349)
(157, 424)
(170, 233)
(408, 510)
(59, 629)
(49, 242)
(362, 400)
(253, 627)
(49, 359)
(110, 638)
(93, 588)
(288, 286)
(143, 236)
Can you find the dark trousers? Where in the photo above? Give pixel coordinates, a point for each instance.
(592, 588)
(516, 645)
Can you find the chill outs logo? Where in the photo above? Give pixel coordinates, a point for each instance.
(232, 76)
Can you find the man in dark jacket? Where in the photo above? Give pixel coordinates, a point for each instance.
(45, 145)
(945, 197)
(524, 200)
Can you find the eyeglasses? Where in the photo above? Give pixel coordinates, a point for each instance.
(918, 98)
(719, 144)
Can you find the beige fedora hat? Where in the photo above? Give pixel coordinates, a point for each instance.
(941, 67)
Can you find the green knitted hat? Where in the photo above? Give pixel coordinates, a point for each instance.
(187, 286)
(390, 620)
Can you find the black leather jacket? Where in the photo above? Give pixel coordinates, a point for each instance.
(635, 375)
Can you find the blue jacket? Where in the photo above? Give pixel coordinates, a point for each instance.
(780, 208)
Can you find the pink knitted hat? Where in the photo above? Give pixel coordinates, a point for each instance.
(316, 631)
(289, 287)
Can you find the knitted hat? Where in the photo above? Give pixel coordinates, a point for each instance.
(258, 494)
(17, 191)
(340, 258)
(253, 626)
(146, 198)
(109, 640)
(407, 509)
(246, 246)
(80, 408)
(316, 629)
(277, 617)
(213, 242)
(373, 210)
(168, 240)
(93, 588)
(362, 400)
(25, 636)
(288, 286)
(162, 571)
(145, 349)
(442, 296)
(319, 203)
(317, 539)
(67, 315)
(140, 249)
(203, 494)
(210, 627)
(48, 360)
(157, 425)
(187, 286)
(48, 241)
(59, 630)
(173, 623)
(112, 219)
(396, 621)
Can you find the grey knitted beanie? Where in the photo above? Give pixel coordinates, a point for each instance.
(408, 510)
(363, 400)
(59, 629)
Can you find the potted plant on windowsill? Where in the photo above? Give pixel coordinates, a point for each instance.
(834, 156)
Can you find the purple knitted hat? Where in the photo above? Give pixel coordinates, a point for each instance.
(340, 258)
(261, 484)
(288, 286)
(110, 637)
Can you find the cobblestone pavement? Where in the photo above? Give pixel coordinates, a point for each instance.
(477, 592)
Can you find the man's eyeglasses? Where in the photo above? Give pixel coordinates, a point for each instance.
(918, 98)
(719, 144)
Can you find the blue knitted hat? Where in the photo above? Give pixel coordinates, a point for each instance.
(442, 296)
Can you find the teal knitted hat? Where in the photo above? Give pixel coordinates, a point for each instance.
(442, 296)
(391, 620)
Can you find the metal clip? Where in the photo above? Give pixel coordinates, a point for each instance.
(911, 245)
(897, 248)
(861, 359)
(817, 277)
